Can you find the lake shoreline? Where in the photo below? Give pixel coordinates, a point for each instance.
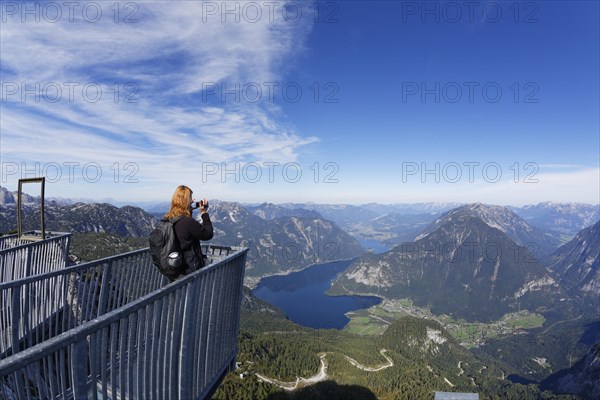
(252, 282)
(303, 296)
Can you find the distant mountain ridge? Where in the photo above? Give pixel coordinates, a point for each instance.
(577, 263)
(560, 220)
(8, 197)
(81, 217)
(506, 221)
(271, 211)
(343, 214)
(463, 267)
(284, 240)
(283, 244)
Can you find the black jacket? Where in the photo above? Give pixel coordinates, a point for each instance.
(189, 233)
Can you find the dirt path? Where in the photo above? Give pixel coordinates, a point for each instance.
(300, 382)
(372, 369)
(322, 374)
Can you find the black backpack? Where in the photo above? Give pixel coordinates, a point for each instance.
(165, 250)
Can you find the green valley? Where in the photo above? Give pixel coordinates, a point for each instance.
(409, 358)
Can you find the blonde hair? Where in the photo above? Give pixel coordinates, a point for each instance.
(180, 203)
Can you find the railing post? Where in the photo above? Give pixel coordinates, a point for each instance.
(239, 279)
(66, 248)
(188, 345)
(16, 318)
(104, 286)
(78, 366)
(27, 262)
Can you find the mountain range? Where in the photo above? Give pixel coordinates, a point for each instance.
(284, 243)
(577, 264)
(392, 224)
(473, 262)
(387, 224)
(80, 217)
(560, 220)
(467, 264)
(506, 221)
(271, 211)
(280, 240)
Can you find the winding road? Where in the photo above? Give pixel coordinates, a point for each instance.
(322, 374)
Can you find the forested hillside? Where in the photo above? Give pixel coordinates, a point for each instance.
(411, 360)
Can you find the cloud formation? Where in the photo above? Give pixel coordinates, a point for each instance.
(124, 82)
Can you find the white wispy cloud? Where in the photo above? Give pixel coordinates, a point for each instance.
(167, 58)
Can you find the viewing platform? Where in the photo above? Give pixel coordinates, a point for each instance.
(114, 328)
(31, 254)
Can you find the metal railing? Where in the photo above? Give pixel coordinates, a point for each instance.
(132, 338)
(20, 258)
(39, 307)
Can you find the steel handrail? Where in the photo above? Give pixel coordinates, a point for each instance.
(186, 329)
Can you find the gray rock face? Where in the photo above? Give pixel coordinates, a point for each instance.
(465, 266)
(577, 263)
(504, 220)
(80, 217)
(283, 244)
(582, 379)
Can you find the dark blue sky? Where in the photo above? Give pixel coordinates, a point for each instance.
(401, 101)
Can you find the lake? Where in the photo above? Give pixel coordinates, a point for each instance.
(372, 245)
(301, 295)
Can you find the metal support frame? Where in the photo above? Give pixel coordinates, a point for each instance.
(149, 340)
(41, 180)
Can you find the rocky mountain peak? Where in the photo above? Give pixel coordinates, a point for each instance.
(271, 211)
(500, 218)
(6, 197)
(82, 217)
(464, 267)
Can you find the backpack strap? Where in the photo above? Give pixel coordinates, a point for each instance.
(175, 219)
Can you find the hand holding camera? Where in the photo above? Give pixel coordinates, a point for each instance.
(202, 205)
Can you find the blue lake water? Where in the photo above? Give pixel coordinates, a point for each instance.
(301, 295)
(372, 245)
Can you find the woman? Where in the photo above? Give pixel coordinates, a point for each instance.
(189, 232)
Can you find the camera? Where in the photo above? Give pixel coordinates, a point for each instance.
(198, 204)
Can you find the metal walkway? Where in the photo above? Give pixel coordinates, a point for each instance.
(113, 329)
(21, 257)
